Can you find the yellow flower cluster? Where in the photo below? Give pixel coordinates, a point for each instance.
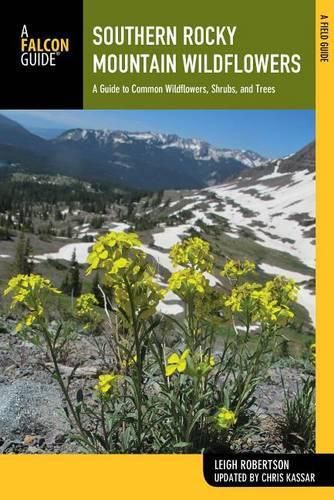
(242, 297)
(127, 270)
(106, 383)
(112, 252)
(269, 310)
(275, 300)
(30, 291)
(225, 418)
(85, 304)
(235, 269)
(177, 362)
(194, 366)
(282, 289)
(188, 282)
(266, 304)
(194, 253)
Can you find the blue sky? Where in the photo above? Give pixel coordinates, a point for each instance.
(272, 133)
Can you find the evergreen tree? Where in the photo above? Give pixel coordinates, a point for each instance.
(75, 276)
(23, 256)
(20, 255)
(65, 286)
(72, 284)
(29, 264)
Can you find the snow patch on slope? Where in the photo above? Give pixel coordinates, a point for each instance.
(170, 235)
(66, 252)
(276, 208)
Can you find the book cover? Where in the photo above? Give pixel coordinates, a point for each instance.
(165, 249)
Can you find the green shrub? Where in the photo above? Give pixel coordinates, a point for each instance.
(297, 426)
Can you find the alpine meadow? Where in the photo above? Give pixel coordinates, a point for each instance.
(157, 291)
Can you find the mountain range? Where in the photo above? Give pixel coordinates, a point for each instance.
(245, 205)
(137, 160)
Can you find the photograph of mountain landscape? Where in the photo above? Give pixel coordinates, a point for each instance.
(157, 281)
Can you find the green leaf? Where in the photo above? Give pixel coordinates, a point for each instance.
(182, 444)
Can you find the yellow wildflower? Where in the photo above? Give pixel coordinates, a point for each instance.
(31, 292)
(119, 264)
(274, 300)
(188, 282)
(175, 362)
(194, 253)
(85, 304)
(242, 297)
(111, 251)
(225, 418)
(269, 303)
(282, 289)
(106, 383)
(234, 269)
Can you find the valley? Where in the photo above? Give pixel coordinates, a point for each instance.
(58, 196)
(266, 214)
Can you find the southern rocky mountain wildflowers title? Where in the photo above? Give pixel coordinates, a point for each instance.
(140, 41)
